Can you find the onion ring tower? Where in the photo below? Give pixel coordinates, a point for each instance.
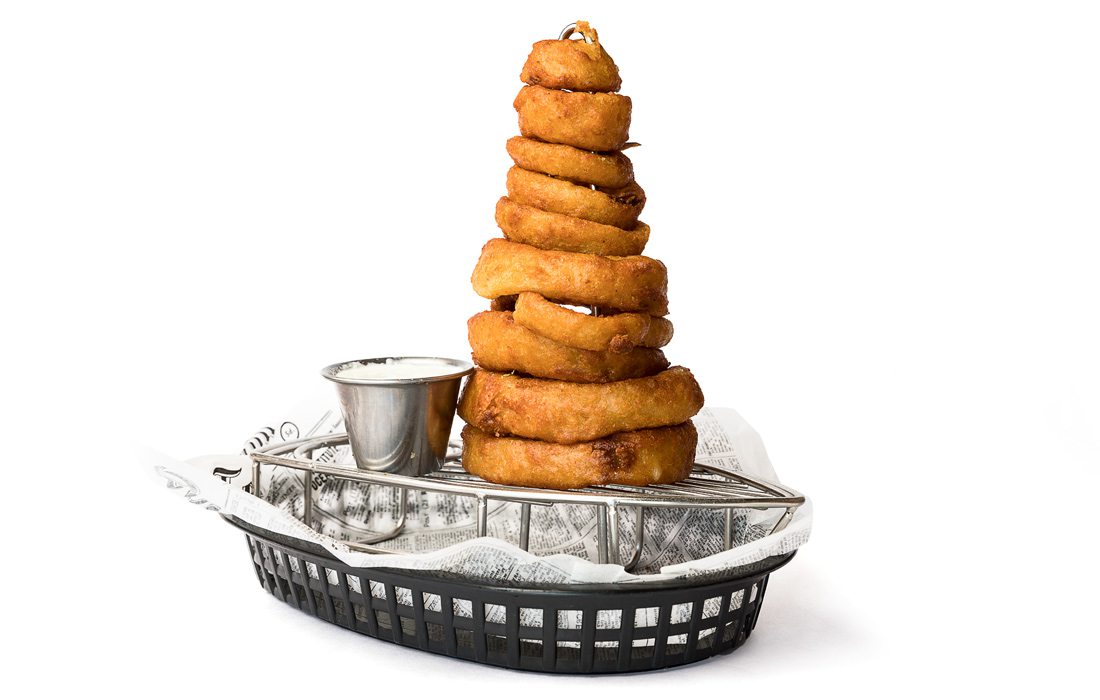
(564, 398)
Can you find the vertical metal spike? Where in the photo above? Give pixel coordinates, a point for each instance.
(613, 533)
(482, 515)
(525, 526)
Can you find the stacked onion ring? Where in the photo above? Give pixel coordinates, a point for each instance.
(564, 398)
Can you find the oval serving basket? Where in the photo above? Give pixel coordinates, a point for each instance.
(611, 628)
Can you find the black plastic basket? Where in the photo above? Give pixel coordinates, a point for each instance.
(580, 629)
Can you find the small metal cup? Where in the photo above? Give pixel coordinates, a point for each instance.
(399, 426)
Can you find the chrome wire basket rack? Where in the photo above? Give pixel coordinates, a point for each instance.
(708, 487)
(589, 628)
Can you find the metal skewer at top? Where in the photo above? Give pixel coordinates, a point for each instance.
(570, 30)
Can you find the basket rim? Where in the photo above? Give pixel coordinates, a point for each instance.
(746, 574)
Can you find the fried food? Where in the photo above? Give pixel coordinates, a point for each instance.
(633, 283)
(639, 457)
(563, 398)
(619, 208)
(610, 170)
(593, 121)
(567, 413)
(500, 344)
(617, 333)
(544, 229)
(565, 64)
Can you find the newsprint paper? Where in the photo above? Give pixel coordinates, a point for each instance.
(440, 532)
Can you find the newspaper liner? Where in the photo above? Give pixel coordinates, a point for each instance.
(440, 534)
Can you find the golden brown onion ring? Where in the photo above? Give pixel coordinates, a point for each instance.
(544, 229)
(564, 412)
(611, 170)
(619, 333)
(565, 64)
(500, 344)
(634, 283)
(638, 457)
(594, 121)
(619, 208)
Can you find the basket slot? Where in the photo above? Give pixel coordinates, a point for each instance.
(588, 640)
(307, 589)
(270, 580)
(285, 588)
(394, 618)
(511, 633)
(549, 638)
(345, 597)
(368, 607)
(326, 596)
(418, 619)
(662, 636)
(281, 561)
(480, 652)
(256, 561)
(626, 638)
(693, 629)
(447, 608)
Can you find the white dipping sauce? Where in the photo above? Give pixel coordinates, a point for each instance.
(397, 369)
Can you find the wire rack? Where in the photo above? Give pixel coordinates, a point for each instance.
(708, 487)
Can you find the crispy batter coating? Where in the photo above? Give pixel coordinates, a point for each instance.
(545, 229)
(566, 413)
(593, 121)
(638, 457)
(633, 283)
(566, 64)
(562, 398)
(501, 344)
(619, 208)
(618, 333)
(610, 170)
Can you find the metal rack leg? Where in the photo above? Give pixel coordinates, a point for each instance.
(601, 534)
(639, 538)
(525, 526)
(727, 531)
(613, 533)
(482, 516)
(307, 494)
(784, 521)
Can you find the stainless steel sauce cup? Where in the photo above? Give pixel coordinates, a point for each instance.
(395, 425)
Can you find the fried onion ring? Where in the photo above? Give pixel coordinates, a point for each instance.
(619, 333)
(501, 344)
(619, 208)
(611, 170)
(545, 229)
(633, 283)
(638, 457)
(594, 121)
(564, 412)
(565, 64)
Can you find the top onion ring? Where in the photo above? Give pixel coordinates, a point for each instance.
(566, 64)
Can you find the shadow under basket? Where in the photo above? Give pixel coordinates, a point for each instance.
(592, 628)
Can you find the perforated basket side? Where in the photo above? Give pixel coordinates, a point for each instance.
(590, 629)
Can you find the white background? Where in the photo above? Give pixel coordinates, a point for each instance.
(880, 222)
